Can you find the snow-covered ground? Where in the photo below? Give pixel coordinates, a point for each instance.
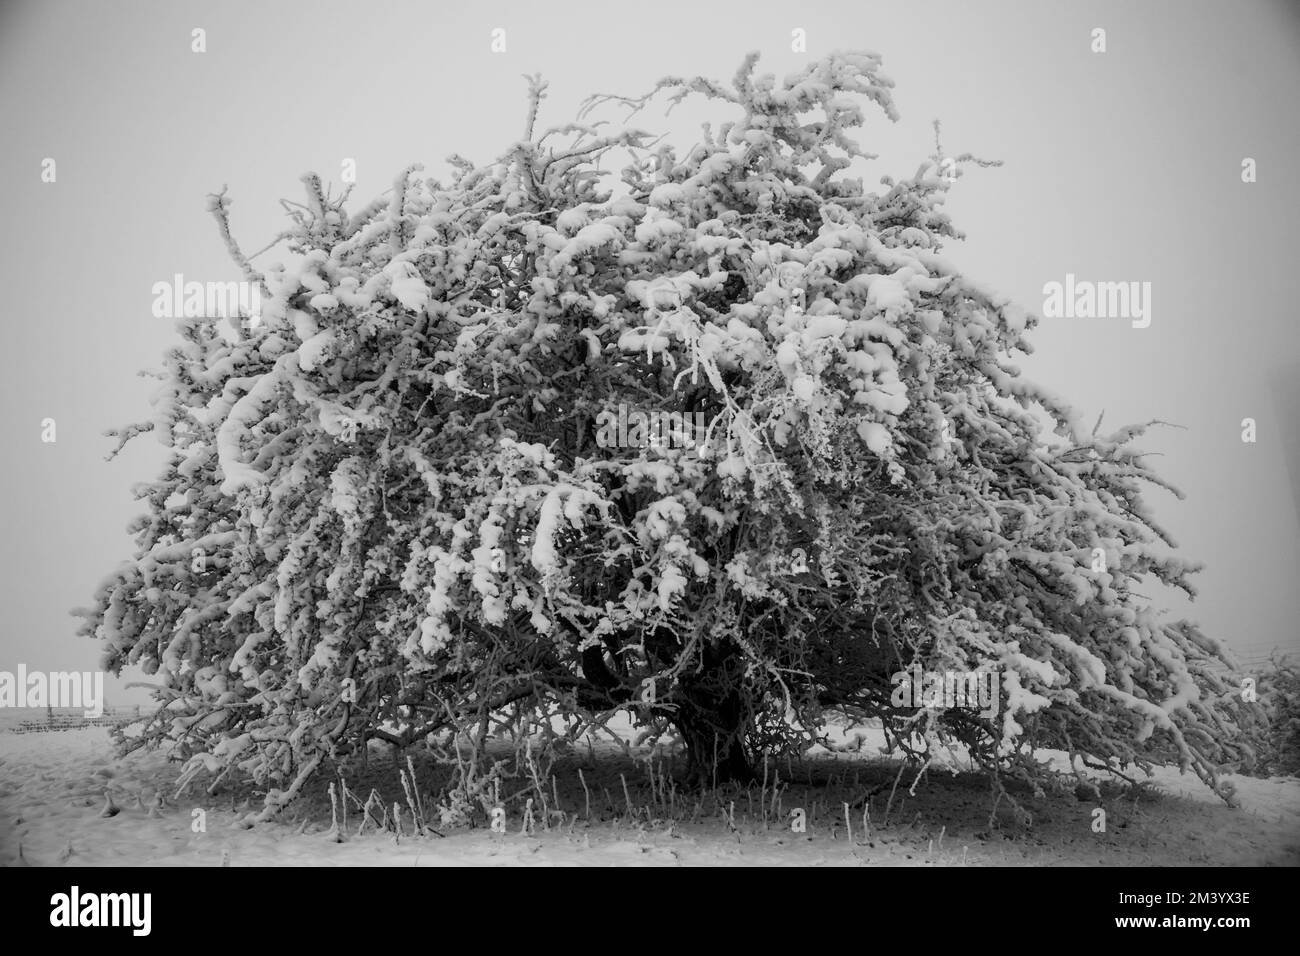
(53, 790)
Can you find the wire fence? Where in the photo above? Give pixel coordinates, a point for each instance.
(35, 722)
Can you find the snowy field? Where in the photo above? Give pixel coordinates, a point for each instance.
(54, 788)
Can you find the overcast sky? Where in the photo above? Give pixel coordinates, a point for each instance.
(1118, 166)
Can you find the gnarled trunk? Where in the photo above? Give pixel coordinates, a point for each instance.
(713, 720)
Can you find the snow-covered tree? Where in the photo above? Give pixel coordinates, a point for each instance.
(386, 511)
(1279, 692)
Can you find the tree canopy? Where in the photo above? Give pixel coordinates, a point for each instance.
(385, 511)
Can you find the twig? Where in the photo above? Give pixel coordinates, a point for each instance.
(628, 797)
(889, 806)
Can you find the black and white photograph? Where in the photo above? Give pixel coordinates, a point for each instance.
(676, 434)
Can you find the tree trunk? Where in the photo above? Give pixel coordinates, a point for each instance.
(715, 756)
(712, 719)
